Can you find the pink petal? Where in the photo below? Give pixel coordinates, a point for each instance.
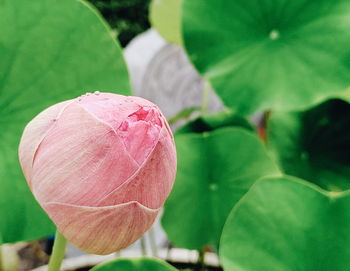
(111, 108)
(34, 133)
(140, 132)
(152, 183)
(80, 160)
(102, 230)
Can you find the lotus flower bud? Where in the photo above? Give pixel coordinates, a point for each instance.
(101, 166)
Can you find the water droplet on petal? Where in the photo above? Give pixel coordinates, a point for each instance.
(128, 100)
(97, 93)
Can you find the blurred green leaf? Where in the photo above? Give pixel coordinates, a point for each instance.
(165, 16)
(315, 144)
(138, 264)
(262, 54)
(211, 122)
(287, 224)
(50, 51)
(215, 169)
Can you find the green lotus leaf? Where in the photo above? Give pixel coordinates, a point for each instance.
(50, 51)
(287, 224)
(138, 264)
(263, 54)
(165, 16)
(215, 169)
(211, 122)
(314, 144)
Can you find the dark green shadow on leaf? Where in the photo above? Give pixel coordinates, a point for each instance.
(315, 144)
(137, 264)
(287, 224)
(262, 54)
(215, 169)
(50, 51)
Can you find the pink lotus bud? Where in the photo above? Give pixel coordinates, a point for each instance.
(101, 166)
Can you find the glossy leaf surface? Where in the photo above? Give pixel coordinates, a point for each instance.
(287, 224)
(269, 54)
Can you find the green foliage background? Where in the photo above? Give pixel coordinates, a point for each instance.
(46, 52)
(127, 17)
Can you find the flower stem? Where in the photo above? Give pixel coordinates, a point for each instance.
(1, 267)
(143, 246)
(201, 259)
(153, 243)
(58, 252)
(262, 126)
(205, 98)
(1, 254)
